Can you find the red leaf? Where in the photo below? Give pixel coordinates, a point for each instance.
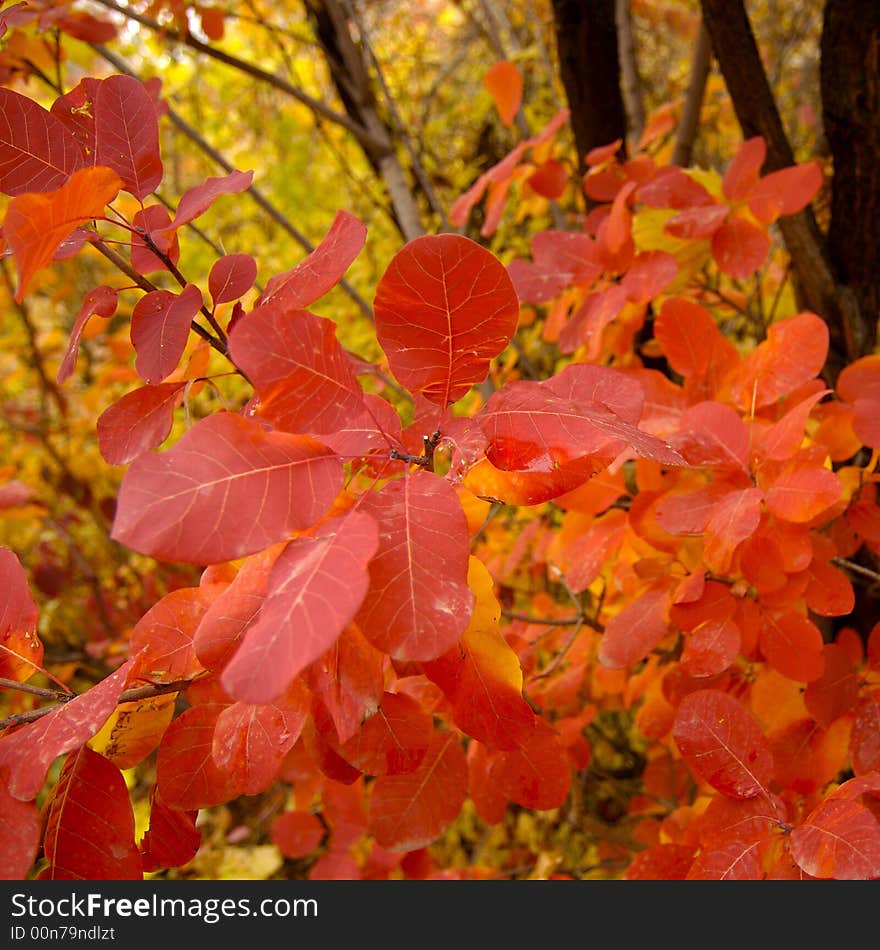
(559, 259)
(663, 862)
(672, 187)
(27, 752)
(349, 681)
(224, 492)
(172, 838)
(35, 225)
(101, 300)
(711, 648)
(786, 191)
(590, 549)
(231, 277)
(21, 651)
(38, 151)
(727, 860)
(187, 777)
(619, 228)
(723, 744)
(315, 588)
(802, 492)
(739, 248)
(90, 823)
(549, 179)
(698, 222)
(865, 737)
(538, 426)
(649, 275)
(631, 635)
(304, 379)
(830, 592)
(692, 343)
(840, 839)
(251, 741)
(418, 603)
(20, 831)
(445, 307)
(150, 221)
(160, 324)
(393, 740)
(138, 422)
(836, 691)
(296, 834)
(743, 172)
(792, 645)
(163, 637)
(75, 109)
(734, 518)
(412, 810)
(505, 86)
(793, 354)
(375, 429)
(127, 134)
(781, 440)
(538, 774)
(712, 434)
(324, 267)
(196, 201)
(235, 609)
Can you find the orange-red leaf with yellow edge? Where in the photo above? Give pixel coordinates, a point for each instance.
(36, 224)
(27, 752)
(537, 775)
(504, 84)
(445, 307)
(315, 588)
(723, 744)
(792, 644)
(296, 834)
(418, 603)
(739, 247)
(802, 492)
(21, 650)
(250, 741)
(793, 354)
(187, 777)
(744, 171)
(412, 810)
(636, 630)
(840, 838)
(393, 740)
(134, 730)
(224, 491)
(481, 675)
(20, 832)
(90, 823)
(786, 191)
(172, 838)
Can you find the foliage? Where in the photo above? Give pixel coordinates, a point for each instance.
(576, 554)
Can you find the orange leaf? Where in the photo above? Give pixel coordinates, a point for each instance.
(792, 644)
(36, 224)
(785, 192)
(802, 493)
(743, 172)
(636, 630)
(505, 86)
(739, 247)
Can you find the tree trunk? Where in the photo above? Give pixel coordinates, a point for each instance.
(348, 70)
(586, 42)
(816, 283)
(850, 79)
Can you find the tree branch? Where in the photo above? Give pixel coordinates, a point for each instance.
(686, 134)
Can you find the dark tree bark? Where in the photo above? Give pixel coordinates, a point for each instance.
(817, 284)
(586, 43)
(850, 80)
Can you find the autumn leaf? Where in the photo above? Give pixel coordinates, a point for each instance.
(445, 307)
(21, 650)
(505, 86)
(36, 224)
(226, 471)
